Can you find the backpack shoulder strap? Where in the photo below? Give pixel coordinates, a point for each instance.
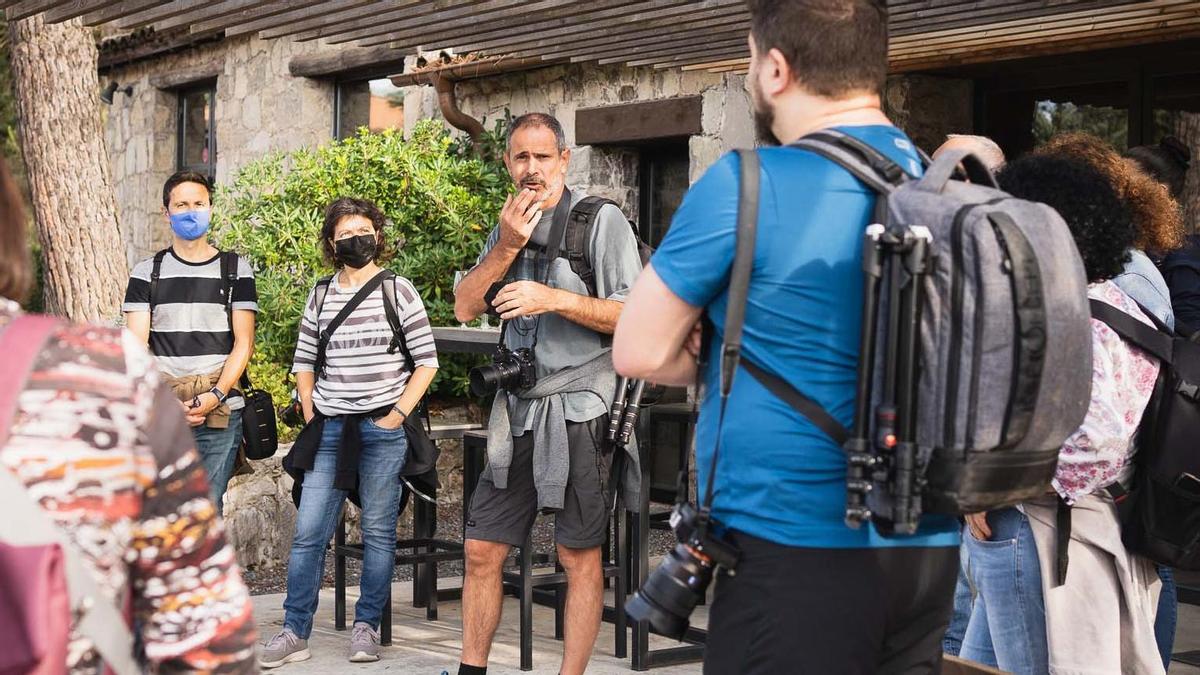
(735, 316)
(324, 336)
(229, 275)
(578, 234)
(399, 339)
(1158, 344)
(320, 290)
(862, 161)
(155, 272)
(25, 520)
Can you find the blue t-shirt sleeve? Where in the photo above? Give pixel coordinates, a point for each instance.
(695, 256)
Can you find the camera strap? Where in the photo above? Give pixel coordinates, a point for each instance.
(558, 229)
(739, 291)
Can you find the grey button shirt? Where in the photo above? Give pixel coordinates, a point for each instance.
(613, 252)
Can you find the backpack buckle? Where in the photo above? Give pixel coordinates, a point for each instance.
(1189, 390)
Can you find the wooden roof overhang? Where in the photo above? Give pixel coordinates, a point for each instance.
(687, 34)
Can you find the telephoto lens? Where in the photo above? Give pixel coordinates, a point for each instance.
(672, 592)
(487, 379)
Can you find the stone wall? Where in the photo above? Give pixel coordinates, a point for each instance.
(259, 108)
(928, 108)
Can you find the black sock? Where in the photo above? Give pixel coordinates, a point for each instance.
(464, 669)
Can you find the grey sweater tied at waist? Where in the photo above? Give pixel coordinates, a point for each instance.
(551, 455)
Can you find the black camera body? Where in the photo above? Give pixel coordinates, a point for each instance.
(672, 592)
(511, 369)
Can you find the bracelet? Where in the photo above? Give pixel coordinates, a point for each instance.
(403, 414)
(220, 396)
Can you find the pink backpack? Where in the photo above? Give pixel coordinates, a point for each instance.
(42, 575)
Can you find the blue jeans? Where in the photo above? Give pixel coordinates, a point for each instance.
(380, 462)
(964, 600)
(1007, 628)
(1168, 614)
(218, 451)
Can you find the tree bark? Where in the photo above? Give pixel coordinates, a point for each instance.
(57, 91)
(1187, 128)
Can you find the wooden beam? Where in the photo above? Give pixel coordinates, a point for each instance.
(667, 118)
(65, 11)
(162, 12)
(347, 62)
(514, 24)
(558, 46)
(28, 8)
(437, 13)
(705, 65)
(256, 21)
(229, 10)
(1084, 44)
(117, 11)
(712, 57)
(653, 54)
(181, 77)
(587, 23)
(975, 13)
(1056, 33)
(323, 26)
(641, 46)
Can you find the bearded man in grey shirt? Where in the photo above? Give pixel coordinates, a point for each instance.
(545, 449)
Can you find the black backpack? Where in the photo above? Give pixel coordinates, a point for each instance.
(1160, 512)
(260, 434)
(579, 232)
(423, 453)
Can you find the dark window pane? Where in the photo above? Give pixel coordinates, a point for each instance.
(196, 133)
(664, 180)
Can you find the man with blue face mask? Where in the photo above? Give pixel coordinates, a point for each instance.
(195, 306)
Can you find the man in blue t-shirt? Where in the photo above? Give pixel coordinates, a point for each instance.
(810, 595)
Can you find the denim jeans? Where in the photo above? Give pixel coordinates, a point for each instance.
(380, 462)
(1168, 614)
(964, 600)
(218, 451)
(1007, 628)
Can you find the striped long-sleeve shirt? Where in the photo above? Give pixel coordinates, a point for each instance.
(360, 375)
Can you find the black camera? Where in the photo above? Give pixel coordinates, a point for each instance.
(511, 369)
(668, 597)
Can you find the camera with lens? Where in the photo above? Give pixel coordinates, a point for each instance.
(511, 369)
(670, 594)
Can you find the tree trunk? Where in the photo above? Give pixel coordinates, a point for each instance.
(1187, 128)
(54, 71)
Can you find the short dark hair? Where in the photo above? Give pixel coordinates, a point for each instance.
(537, 119)
(1166, 162)
(344, 207)
(16, 265)
(1100, 221)
(180, 177)
(834, 47)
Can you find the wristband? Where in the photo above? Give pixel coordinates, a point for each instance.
(217, 392)
(402, 413)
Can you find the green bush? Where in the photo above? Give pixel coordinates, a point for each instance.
(440, 201)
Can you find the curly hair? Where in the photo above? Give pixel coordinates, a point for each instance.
(1100, 221)
(344, 207)
(1156, 214)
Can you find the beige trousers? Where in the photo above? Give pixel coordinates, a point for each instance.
(1101, 621)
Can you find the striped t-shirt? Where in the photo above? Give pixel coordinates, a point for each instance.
(189, 328)
(360, 375)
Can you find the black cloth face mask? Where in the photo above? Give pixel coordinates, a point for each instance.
(357, 251)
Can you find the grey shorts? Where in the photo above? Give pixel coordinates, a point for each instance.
(507, 515)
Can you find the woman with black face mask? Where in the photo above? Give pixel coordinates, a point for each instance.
(358, 379)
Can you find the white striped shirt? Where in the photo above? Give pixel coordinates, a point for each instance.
(359, 373)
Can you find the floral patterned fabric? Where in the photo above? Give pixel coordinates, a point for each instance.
(100, 443)
(1123, 376)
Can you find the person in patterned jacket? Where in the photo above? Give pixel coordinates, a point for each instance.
(99, 440)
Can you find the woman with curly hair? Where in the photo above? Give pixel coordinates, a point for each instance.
(1099, 618)
(1155, 213)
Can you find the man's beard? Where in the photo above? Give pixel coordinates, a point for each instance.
(542, 187)
(764, 118)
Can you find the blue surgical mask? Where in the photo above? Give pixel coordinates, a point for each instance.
(191, 225)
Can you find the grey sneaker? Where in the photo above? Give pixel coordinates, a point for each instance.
(284, 648)
(364, 644)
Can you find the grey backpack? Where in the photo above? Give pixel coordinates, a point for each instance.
(976, 353)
